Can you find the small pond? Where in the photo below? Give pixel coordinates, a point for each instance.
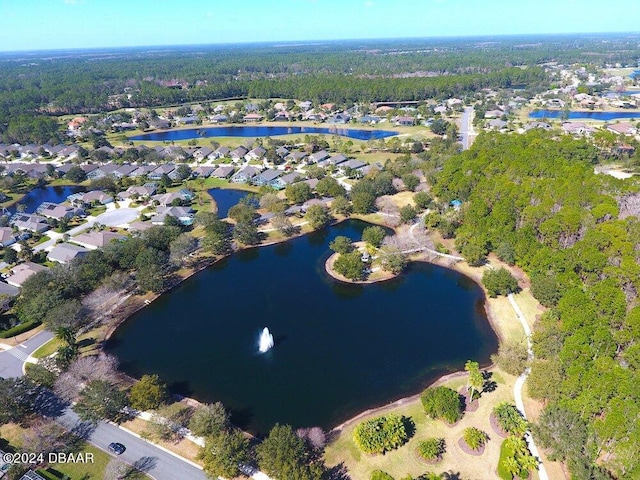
(226, 198)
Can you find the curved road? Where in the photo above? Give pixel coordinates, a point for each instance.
(156, 462)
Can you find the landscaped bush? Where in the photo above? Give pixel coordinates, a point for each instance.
(474, 438)
(510, 419)
(432, 448)
(381, 434)
(515, 459)
(442, 403)
(18, 329)
(380, 475)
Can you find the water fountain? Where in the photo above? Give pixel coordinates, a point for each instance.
(266, 340)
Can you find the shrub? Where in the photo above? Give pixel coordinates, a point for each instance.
(510, 419)
(442, 403)
(422, 199)
(380, 475)
(474, 438)
(18, 329)
(431, 448)
(381, 434)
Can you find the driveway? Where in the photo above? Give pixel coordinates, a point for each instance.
(12, 360)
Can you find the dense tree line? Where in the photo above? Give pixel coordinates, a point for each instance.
(535, 200)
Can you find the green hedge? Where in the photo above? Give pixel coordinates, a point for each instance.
(18, 329)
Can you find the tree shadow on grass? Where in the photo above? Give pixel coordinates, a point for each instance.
(337, 472)
(409, 427)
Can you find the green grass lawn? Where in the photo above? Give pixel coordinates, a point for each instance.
(84, 471)
(48, 348)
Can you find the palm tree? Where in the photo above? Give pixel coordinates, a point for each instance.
(475, 380)
(67, 335)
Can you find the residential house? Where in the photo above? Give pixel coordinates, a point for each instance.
(255, 154)
(296, 157)
(266, 177)
(353, 164)
(370, 119)
(339, 118)
(622, 128)
(7, 237)
(66, 252)
(161, 170)
(542, 125)
(124, 171)
(167, 199)
(88, 168)
(57, 211)
(238, 153)
(493, 114)
(95, 240)
(290, 178)
(221, 152)
(21, 272)
(315, 116)
(224, 171)
(7, 290)
(252, 117)
(202, 153)
(142, 170)
(318, 156)
(139, 226)
(183, 214)
(188, 120)
(29, 222)
(245, 175)
(405, 121)
(93, 197)
(144, 191)
(159, 123)
(496, 124)
(282, 116)
(306, 105)
(282, 152)
(102, 171)
(218, 118)
(202, 171)
(577, 128)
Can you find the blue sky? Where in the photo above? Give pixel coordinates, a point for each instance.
(50, 24)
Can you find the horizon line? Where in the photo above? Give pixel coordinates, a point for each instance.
(318, 41)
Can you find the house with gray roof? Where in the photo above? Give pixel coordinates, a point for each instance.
(93, 197)
(95, 240)
(266, 177)
(160, 170)
(22, 271)
(318, 156)
(183, 214)
(221, 152)
(202, 172)
(255, 154)
(29, 222)
(7, 237)
(238, 153)
(245, 175)
(223, 171)
(124, 170)
(142, 191)
(66, 252)
(353, 164)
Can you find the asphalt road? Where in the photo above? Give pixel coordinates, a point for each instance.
(465, 126)
(11, 361)
(147, 457)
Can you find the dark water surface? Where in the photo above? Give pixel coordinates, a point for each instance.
(340, 349)
(226, 198)
(262, 131)
(572, 115)
(35, 197)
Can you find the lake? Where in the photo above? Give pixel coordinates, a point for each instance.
(262, 131)
(573, 115)
(339, 348)
(226, 198)
(35, 197)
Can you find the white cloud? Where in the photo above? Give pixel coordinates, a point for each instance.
(368, 4)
